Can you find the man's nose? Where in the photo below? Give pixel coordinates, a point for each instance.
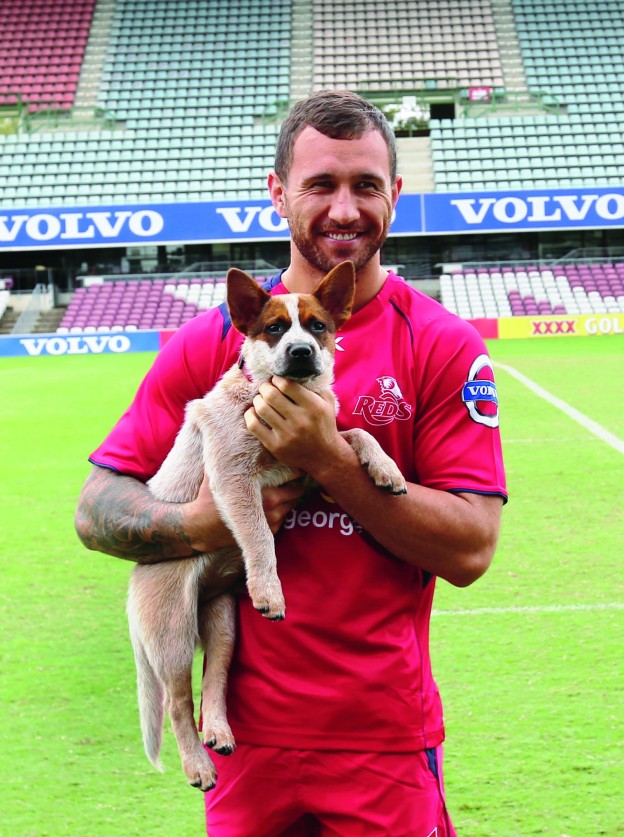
(343, 209)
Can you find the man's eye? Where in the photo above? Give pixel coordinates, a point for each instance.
(318, 327)
(275, 328)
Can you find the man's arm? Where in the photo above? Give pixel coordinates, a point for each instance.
(449, 535)
(118, 515)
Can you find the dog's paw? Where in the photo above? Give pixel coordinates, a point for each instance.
(218, 737)
(386, 475)
(269, 601)
(199, 769)
(381, 468)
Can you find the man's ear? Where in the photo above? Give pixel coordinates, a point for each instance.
(276, 192)
(396, 189)
(245, 299)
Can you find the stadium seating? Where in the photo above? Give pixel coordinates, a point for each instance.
(387, 44)
(490, 292)
(42, 44)
(192, 90)
(573, 52)
(140, 304)
(532, 290)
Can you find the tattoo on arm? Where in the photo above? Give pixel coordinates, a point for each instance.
(116, 514)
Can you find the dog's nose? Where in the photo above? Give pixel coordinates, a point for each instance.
(300, 350)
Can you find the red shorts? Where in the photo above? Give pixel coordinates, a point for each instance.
(267, 791)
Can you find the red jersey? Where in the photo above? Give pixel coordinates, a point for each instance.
(349, 668)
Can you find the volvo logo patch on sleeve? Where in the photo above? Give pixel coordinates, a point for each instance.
(479, 393)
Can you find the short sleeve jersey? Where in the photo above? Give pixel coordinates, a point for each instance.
(349, 668)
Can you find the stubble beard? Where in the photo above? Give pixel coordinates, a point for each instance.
(315, 255)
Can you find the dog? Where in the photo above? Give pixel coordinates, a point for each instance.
(176, 606)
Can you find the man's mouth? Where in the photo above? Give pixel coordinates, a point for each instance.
(335, 236)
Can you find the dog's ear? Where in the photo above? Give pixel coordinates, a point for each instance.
(245, 299)
(336, 292)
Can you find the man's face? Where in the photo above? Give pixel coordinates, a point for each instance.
(339, 198)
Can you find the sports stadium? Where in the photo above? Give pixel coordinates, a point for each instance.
(135, 141)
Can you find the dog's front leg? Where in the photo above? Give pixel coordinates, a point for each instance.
(217, 628)
(240, 504)
(382, 469)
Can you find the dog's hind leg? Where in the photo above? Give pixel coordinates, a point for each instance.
(196, 763)
(163, 609)
(216, 621)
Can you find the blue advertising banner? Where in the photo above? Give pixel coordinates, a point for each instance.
(522, 211)
(93, 343)
(434, 213)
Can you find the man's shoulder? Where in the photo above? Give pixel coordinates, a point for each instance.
(425, 313)
(206, 330)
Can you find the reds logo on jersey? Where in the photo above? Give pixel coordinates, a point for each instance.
(387, 407)
(479, 393)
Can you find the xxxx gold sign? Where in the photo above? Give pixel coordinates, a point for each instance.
(566, 325)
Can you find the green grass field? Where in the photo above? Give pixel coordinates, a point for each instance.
(529, 660)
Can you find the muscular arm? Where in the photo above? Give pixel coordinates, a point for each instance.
(117, 514)
(449, 535)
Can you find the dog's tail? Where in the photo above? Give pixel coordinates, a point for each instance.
(150, 692)
(151, 697)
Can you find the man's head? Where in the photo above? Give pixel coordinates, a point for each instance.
(339, 114)
(335, 181)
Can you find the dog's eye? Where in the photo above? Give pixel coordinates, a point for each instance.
(275, 328)
(317, 327)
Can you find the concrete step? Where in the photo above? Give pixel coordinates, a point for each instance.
(48, 322)
(8, 320)
(414, 164)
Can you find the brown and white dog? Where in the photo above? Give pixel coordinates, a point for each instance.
(175, 606)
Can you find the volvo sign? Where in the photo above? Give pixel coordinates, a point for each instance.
(433, 213)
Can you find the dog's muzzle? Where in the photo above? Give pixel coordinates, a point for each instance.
(301, 362)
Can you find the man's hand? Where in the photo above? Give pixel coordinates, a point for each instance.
(296, 425)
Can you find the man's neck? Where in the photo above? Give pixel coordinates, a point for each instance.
(301, 277)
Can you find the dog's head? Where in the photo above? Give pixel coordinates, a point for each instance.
(291, 335)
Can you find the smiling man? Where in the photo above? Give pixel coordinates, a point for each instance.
(336, 714)
(338, 188)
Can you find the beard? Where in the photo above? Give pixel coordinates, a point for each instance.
(312, 250)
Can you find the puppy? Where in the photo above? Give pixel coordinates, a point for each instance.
(174, 606)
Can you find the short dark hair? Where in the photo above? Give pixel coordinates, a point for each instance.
(339, 114)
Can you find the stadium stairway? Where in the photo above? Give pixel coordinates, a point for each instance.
(95, 55)
(414, 161)
(49, 321)
(509, 49)
(46, 323)
(8, 320)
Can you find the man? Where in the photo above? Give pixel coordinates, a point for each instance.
(337, 718)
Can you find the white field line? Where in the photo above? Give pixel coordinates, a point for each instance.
(560, 440)
(589, 424)
(494, 611)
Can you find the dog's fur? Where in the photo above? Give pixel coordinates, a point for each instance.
(174, 606)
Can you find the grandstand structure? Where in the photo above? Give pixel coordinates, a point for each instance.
(143, 103)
